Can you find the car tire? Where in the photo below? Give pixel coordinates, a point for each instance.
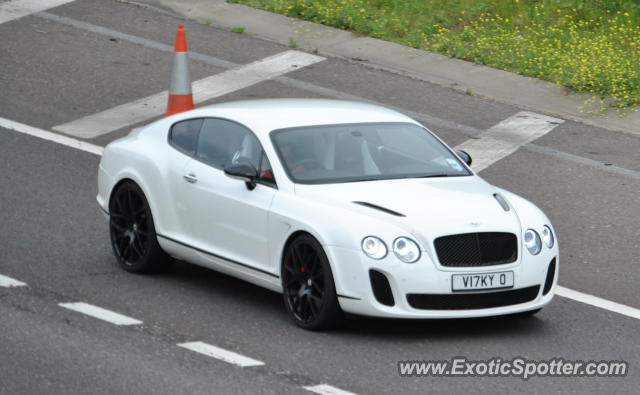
(308, 286)
(132, 231)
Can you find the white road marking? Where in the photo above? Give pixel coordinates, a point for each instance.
(46, 135)
(603, 166)
(100, 313)
(598, 302)
(303, 85)
(221, 354)
(204, 89)
(506, 137)
(14, 9)
(8, 282)
(326, 389)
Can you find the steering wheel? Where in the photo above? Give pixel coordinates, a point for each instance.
(309, 164)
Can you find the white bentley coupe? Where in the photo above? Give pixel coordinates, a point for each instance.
(340, 206)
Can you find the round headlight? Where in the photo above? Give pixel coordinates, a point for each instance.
(374, 247)
(532, 241)
(547, 236)
(406, 249)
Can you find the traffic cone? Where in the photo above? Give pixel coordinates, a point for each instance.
(180, 95)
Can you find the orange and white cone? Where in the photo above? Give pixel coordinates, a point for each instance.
(180, 95)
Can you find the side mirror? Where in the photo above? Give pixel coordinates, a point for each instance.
(244, 172)
(465, 157)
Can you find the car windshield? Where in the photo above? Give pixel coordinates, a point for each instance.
(363, 152)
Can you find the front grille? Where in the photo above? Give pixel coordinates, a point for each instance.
(471, 301)
(477, 249)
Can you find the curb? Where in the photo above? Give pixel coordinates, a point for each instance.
(502, 86)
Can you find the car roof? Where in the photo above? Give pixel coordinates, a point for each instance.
(263, 116)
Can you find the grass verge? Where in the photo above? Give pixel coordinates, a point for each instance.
(588, 46)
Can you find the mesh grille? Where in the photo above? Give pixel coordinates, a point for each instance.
(381, 288)
(477, 249)
(551, 273)
(472, 301)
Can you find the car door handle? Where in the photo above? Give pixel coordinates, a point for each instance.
(190, 178)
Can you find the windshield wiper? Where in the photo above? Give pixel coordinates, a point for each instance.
(433, 175)
(366, 179)
(400, 177)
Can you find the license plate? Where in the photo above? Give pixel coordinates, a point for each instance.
(479, 281)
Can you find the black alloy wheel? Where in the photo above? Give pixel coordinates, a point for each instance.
(308, 286)
(133, 235)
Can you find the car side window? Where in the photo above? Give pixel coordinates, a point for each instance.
(222, 142)
(265, 174)
(184, 135)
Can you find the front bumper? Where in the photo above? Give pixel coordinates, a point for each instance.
(353, 284)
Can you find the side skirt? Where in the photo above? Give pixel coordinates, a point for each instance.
(224, 265)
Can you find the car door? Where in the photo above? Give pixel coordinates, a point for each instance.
(223, 216)
(183, 138)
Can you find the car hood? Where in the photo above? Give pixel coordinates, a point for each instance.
(430, 207)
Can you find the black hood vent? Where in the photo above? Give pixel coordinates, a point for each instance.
(502, 201)
(379, 208)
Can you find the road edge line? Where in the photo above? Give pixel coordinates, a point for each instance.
(50, 136)
(596, 301)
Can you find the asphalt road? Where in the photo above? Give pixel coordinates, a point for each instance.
(53, 237)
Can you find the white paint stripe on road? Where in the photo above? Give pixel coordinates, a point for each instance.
(46, 135)
(205, 89)
(14, 9)
(100, 313)
(506, 137)
(221, 354)
(326, 389)
(303, 85)
(8, 282)
(598, 302)
(603, 166)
